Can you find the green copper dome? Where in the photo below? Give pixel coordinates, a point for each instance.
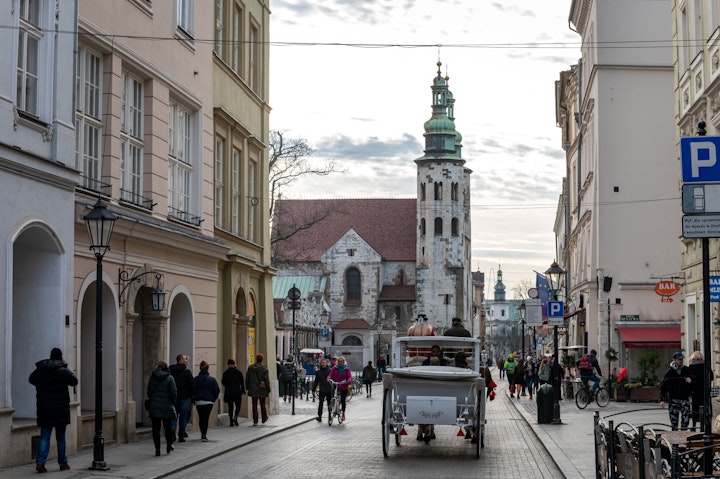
(441, 138)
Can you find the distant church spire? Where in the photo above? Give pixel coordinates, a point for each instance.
(499, 286)
(441, 139)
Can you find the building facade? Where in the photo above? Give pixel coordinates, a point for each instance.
(616, 230)
(132, 118)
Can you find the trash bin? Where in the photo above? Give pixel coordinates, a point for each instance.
(545, 400)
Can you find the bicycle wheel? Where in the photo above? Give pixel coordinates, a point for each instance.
(602, 397)
(582, 398)
(331, 411)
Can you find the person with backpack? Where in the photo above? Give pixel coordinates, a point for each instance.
(544, 371)
(509, 367)
(587, 365)
(287, 377)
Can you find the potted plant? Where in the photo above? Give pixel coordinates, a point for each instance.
(647, 385)
(568, 363)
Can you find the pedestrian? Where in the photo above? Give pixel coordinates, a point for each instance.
(278, 367)
(342, 375)
(530, 375)
(257, 382)
(457, 329)
(162, 394)
(697, 369)
(323, 386)
(544, 370)
(382, 365)
(288, 378)
(234, 383)
(185, 389)
(369, 376)
(51, 379)
(676, 387)
(206, 393)
(509, 367)
(519, 377)
(501, 367)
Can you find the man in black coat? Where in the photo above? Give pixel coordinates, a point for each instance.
(457, 329)
(323, 386)
(185, 389)
(51, 379)
(676, 388)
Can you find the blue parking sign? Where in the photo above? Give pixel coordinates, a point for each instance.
(699, 159)
(555, 313)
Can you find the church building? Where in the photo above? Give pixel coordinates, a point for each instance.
(380, 262)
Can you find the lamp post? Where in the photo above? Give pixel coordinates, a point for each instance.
(99, 222)
(294, 303)
(523, 311)
(378, 327)
(554, 274)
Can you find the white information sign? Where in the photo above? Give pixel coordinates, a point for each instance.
(533, 308)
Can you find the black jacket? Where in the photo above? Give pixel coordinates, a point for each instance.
(697, 369)
(206, 387)
(162, 392)
(674, 384)
(234, 383)
(183, 381)
(51, 380)
(321, 379)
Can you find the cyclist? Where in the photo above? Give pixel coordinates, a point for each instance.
(587, 365)
(341, 374)
(323, 386)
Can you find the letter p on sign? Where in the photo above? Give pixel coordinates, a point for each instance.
(697, 162)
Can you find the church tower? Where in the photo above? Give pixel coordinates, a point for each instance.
(499, 294)
(444, 279)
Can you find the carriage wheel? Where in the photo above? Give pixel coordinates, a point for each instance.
(477, 430)
(386, 411)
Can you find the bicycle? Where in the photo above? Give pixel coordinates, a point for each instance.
(585, 396)
(335, 409)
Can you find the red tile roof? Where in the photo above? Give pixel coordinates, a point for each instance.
(388, 225)
(402, 292)
(352, 323)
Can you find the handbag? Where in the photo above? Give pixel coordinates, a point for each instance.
(262, 384)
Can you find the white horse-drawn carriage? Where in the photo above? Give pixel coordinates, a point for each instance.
(429, 395)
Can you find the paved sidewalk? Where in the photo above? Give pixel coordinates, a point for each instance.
(137, 459)
(571, 443)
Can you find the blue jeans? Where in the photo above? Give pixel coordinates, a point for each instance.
(591, 377)
(44, 446)
(182, 407)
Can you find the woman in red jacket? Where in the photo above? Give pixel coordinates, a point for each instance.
(341, 374)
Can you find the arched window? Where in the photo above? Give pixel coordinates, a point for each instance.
(422, 226)
(352, 285)
(438, 190)
(352, 341)
(454, 227)
(438, 226)
(454, 191)
(422, 191)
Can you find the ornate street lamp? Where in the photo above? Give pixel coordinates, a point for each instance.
(99, 222)
(554, 275)
(294, 303)
(523, 310)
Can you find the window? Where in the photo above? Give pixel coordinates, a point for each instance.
(352, 285)
(88, 124)
(422, 226)
(219, 183)
(28, 62)
(454, 227)
(422, 191)
(219, 28)
(351, 252)
(351, 341)
(253, 201)
(254, 74)
(438, 226)
(131, 139)
(438, 190)
(236, 199)
(180, 158)
(454, 191)
(185, 15)
(237, 37)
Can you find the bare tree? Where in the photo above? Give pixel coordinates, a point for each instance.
(521, 288)
(289, 160)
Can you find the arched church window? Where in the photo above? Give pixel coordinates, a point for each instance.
(438, 226)
(352, 341)
(438, 190)
(422, 191)
(454, 227)
(422, 226)
(454, 191)
(352, 285)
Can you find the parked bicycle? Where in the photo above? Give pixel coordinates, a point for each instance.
(335, 409)
(585, 396)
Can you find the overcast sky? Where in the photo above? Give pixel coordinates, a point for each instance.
(353, 78)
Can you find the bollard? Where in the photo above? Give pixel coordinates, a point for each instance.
(545, 399)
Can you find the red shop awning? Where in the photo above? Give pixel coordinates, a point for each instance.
(651, 337)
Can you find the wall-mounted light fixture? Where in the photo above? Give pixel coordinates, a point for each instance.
(157, 295)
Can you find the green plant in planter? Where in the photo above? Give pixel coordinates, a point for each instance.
(612, 356)
(648, 368)
(568, 361)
